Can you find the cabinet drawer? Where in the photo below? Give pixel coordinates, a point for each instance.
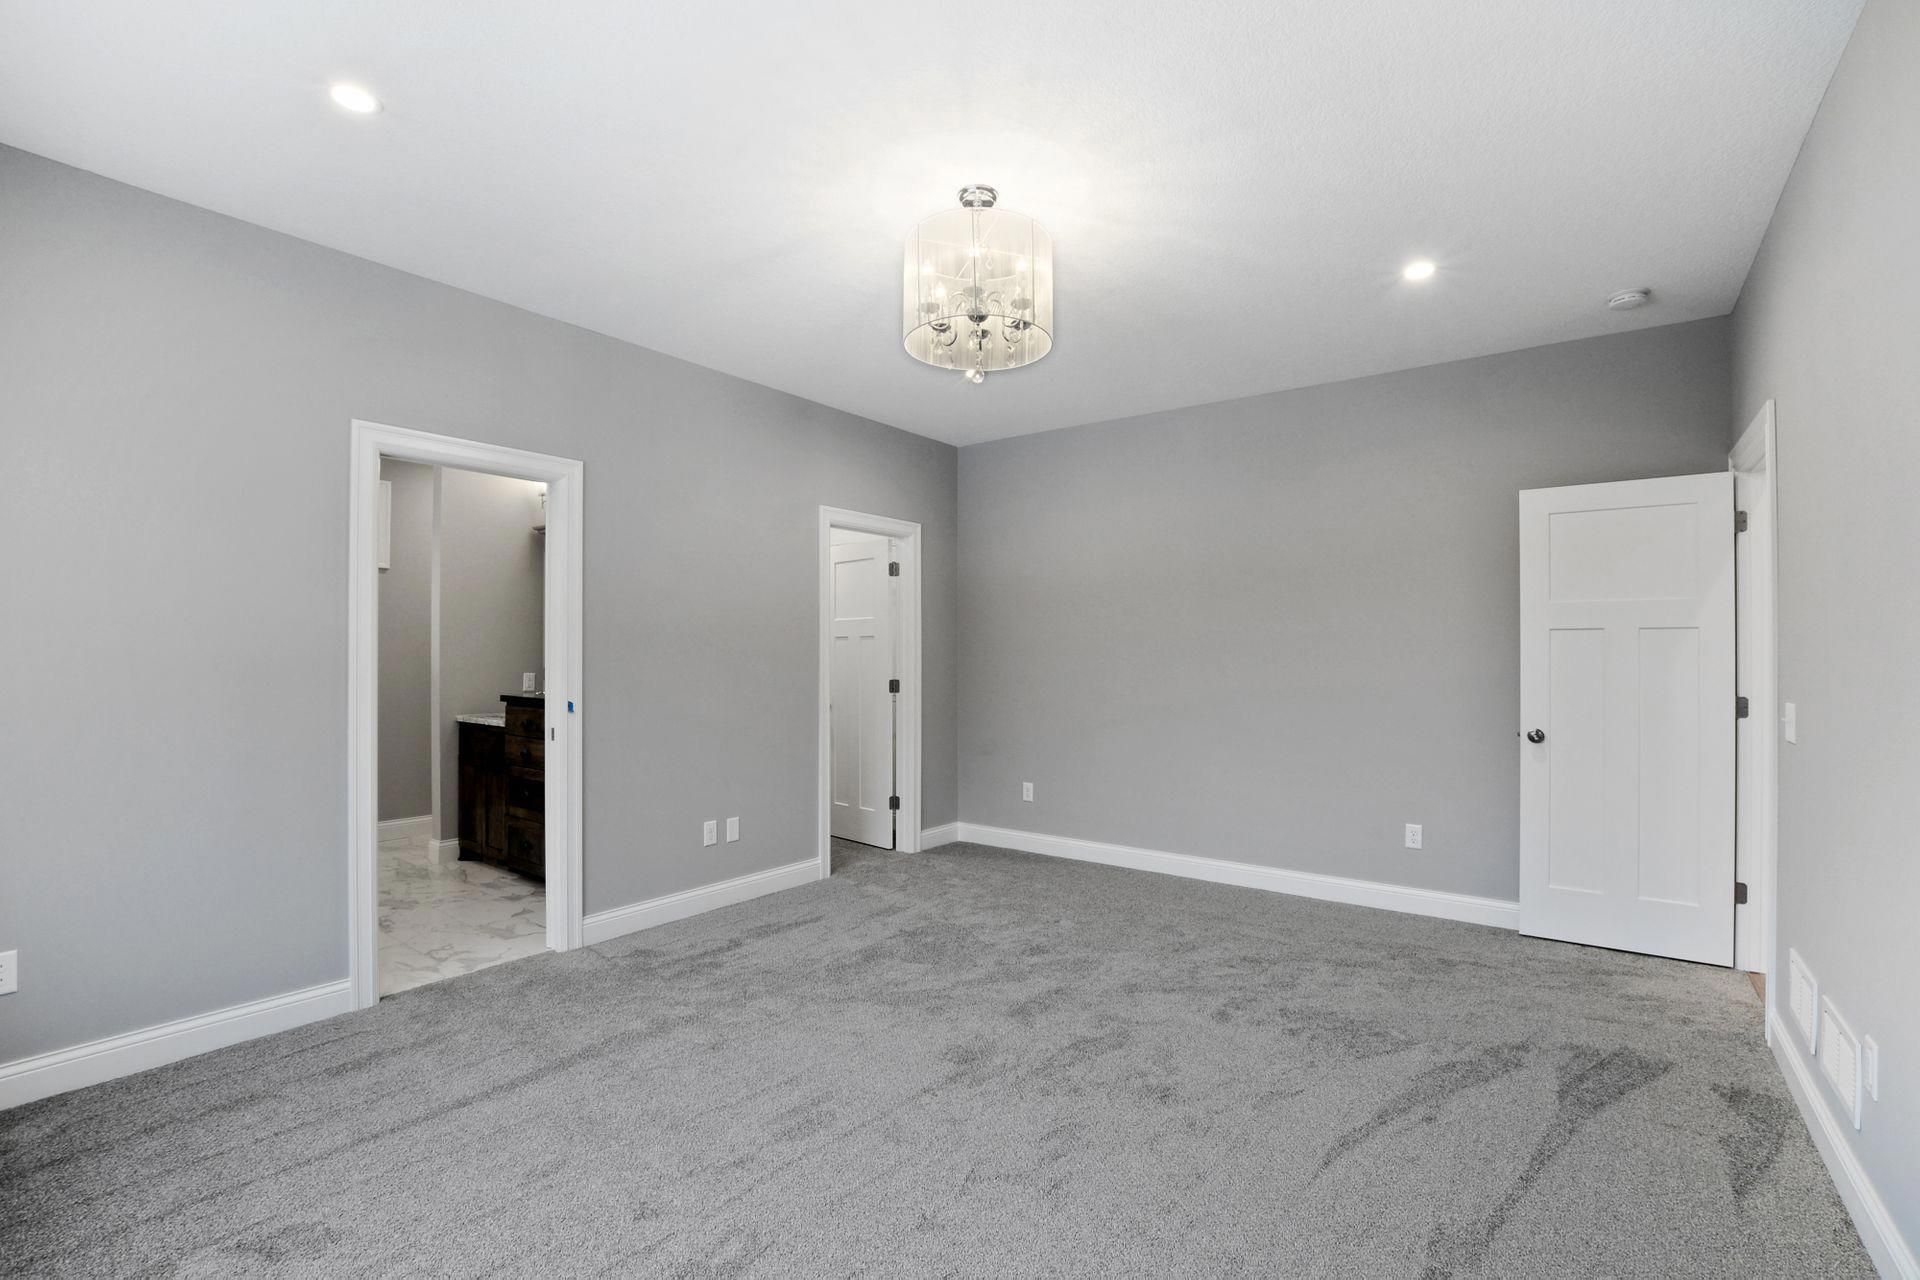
(526, 793)
(526, 722)
(527, 753)
(527, 847)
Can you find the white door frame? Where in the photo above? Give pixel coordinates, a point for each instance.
(1758, 855)
(564, 627)
(906, 825)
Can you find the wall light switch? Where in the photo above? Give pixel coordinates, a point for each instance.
(1790, 722)
(733, 830)
(527, 682)
(1414, 836)
(1026, 791)
(709, 832)
(9, 972)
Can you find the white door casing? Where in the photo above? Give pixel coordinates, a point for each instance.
(907, 538)
(563, 621)
(861, 664)
(1754, 485)
(1627, 674)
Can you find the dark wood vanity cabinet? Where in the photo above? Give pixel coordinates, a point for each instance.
(503, 788)
(483, 793)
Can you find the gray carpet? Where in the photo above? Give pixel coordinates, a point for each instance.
(970, 1062)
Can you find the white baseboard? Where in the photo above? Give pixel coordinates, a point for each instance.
(1890, 1251)
(1497, 912)
(46, 1074)
(443, 853)
(934, 837)
(407, 828)
(603, 926)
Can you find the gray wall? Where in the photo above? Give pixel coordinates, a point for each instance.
(173, 437)
(1827, 327)
(406, 654)
(1275, 630)
(492, 594)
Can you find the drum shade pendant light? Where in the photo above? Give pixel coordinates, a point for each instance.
(978, 291)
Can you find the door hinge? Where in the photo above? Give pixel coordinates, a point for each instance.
(893, 568)
(1740, 708)
(1739, 522)
(1739, 893)
(893, 686)
(893, 802)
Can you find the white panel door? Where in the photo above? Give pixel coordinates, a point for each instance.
(860, 667)
(1627, 712)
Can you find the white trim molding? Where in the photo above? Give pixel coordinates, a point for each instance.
(46, 1074)
(1495, 912)
(1871, 1218)
(934, 837)
(368, 442)
(443, 853)
(906, 745)
(406, 828)
(603, 926)
(1752, 459)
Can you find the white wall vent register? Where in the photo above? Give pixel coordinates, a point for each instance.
(1840, 1060)
(1803, 1001)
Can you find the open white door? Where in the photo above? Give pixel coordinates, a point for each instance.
(861, 668)
(1627, 707)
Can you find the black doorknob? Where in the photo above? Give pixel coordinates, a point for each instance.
(1536, 735)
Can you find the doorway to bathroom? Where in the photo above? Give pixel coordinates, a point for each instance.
(464, 660)
(462, 851)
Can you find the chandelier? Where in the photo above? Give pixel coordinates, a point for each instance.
(978, 295)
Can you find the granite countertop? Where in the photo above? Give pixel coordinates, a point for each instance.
(498, 719)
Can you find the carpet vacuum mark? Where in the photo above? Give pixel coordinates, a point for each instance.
(968, 1062)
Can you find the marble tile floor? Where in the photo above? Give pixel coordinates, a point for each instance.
(442, 921)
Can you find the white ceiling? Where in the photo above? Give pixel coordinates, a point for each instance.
(1232, 185)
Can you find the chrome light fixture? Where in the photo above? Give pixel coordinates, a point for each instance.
(978, 288)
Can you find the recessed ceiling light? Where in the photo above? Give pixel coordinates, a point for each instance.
(354, 98)
(1419, 269)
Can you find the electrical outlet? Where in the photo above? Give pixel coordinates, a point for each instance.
(528, 683)
(1413, 835)
(9, 972)
(710, 832)
(1870, 1066)
(1790, 722)
(733, 830)
(1026, 791)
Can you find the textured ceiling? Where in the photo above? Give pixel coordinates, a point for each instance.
(1232, 185)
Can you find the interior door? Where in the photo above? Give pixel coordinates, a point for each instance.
(860, 713)
(1627, 711)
